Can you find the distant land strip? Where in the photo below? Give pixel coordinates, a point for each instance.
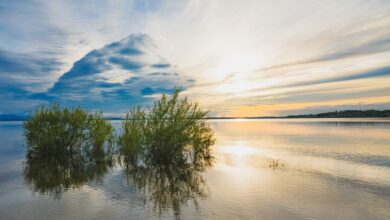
(334, 114)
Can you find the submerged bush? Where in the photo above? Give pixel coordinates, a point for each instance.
(173, 131)
(164, 148)
(66, 148)
(53, 130)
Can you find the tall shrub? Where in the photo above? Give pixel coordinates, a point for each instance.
(173, 131)
(66, 147)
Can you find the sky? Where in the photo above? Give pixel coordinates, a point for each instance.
(236, 58)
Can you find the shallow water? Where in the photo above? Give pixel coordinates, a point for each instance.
(264, 169)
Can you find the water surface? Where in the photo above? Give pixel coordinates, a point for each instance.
(264, 169)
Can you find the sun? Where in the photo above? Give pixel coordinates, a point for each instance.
(237, 60)
(237, 87)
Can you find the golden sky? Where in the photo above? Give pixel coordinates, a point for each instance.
(237, 58)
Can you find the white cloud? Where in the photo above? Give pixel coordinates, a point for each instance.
(234, 50)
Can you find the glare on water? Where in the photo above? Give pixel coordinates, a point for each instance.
(264, 169)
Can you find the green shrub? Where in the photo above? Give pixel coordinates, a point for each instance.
(132, 141)
(53, 130)
(173, 131)
(164, 148)
(66, 148)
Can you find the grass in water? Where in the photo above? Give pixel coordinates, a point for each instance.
(276, 164)
(66, 148)
(173, 131)
(163, 150)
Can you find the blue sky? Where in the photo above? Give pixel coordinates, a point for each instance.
(237, 58)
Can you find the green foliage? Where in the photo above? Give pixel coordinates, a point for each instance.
(66, 148)
(54, 129)
(132, 141)
(163, 148)
(174, 131)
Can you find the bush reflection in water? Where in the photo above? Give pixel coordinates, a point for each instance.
(168, 186)
(66, 148)
(162, 152)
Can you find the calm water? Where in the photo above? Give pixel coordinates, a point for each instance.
(322, 169)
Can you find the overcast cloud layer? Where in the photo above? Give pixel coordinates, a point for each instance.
(238, 58)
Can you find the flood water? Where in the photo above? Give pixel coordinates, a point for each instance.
(263, 169)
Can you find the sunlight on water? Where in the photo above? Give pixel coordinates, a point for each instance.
(264, 169)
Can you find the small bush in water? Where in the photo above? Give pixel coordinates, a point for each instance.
(164, 148)
(53, 130)
(66, 148)
(174, 131)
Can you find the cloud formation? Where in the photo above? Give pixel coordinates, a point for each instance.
(241, 58)
(117, 76)
(114, 78)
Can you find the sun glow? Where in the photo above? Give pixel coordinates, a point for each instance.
(240, 155)
(241, 149)
(236, 87)
(238, 59)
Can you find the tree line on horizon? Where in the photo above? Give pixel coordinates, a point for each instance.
(347, 114)
(371, 113)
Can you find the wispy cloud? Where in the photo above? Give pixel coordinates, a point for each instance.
(228, 54)
(122, 80)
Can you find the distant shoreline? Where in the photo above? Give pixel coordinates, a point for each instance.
(243, 118)
(385, 114)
